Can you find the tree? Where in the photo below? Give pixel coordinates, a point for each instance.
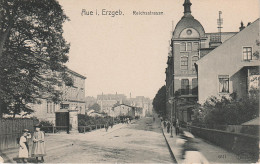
(32, 51)
(96, 107)
(159, 101)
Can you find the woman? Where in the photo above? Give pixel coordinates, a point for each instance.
(24, 148)
(38, 148)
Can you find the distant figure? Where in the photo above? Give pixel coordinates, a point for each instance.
(111, 124)
(38, 148)
(24, 148)
(177, 127)
(168, 127)
(106, 126)
(153, 119)
(164, 124)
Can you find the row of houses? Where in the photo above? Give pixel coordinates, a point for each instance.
(201, 65)
(107, 102)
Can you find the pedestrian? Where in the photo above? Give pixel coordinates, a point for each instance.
(153, 119)
(111, 124)
(168, 127)
(106, 126)
(38, 148)
(177, 127)
(164, 124)
(24, 148)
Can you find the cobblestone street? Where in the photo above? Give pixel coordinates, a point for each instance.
(140, 142)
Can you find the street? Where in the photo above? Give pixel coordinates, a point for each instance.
(141, 142)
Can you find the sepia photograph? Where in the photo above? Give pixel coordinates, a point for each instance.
(129, 81)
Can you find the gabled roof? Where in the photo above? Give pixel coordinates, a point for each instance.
(233, 38)
(124, 105)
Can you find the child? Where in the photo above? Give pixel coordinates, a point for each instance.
(24, 148)
(38, 148)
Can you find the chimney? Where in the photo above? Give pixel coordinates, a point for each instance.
(242, 26)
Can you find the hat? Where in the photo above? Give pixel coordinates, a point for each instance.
(26, 130)
(38, 125)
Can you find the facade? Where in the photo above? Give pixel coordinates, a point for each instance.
(142, 102)
(123, 110)
(73, 99)
(231, 67)
(107, 101)
(189, 43)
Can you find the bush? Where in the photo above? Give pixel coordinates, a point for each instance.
(226, 111)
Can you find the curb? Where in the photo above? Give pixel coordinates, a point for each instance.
(170, 150)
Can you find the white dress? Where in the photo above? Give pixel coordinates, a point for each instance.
(23, 150)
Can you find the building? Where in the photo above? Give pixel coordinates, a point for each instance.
(73, 98)
(107, 101)
(123, 110)
(231, 67)
(189, 43)
(144, 103)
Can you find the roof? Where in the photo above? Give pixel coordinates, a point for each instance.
(124, 105)
(205, 58)
(188, 22)
(75, 73)
(252, 122)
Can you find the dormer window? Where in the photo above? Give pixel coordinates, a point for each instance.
(247, 53)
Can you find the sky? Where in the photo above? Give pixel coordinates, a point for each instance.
(128, 53)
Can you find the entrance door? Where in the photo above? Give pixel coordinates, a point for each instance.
(62, 121)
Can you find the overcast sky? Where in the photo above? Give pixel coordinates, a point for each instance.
(128, 53)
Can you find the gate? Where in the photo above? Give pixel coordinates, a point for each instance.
(62, 120)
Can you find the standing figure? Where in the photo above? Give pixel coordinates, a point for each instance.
(106, 126)
(111, 124)
(24, 148)
(177, 127)
(38, 148)
(168, 127)
(164, 124)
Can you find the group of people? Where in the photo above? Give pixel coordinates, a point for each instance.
(38, 147)
(111, 124)
(176, 124)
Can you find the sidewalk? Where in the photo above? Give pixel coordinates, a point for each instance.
(187, 148)
(56, 141)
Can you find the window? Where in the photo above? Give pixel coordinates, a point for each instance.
(184, 63)
(247, 53)
(195, 46)
(195, 86)
(194, 60)
(183, 46)
(189, 46)
(223, 83)
(50, 107)
(185, 86)
(47, 107)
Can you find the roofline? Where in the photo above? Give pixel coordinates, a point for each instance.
(206, 56)
(75, 73)
(222, 32)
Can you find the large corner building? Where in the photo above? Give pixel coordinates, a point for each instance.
(189, 43)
